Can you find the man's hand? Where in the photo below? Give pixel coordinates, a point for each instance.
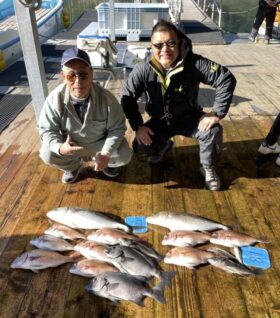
(207, 121)
(101, 162)
(68, 147)
(143, 135)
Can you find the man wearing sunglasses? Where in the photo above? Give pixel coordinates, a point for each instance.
(170, 82)
(80, 119)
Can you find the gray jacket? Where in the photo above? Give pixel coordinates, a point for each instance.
(104, 120)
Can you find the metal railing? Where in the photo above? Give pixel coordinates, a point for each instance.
(175, 9)
(205, 5)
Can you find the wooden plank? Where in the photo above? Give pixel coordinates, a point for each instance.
(33, 222)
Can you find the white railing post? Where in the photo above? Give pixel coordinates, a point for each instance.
(220, 18)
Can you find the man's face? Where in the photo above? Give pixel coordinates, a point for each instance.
(165, 48)
(78, 77)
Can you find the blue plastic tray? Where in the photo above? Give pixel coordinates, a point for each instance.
(137, 223)
(255, 256)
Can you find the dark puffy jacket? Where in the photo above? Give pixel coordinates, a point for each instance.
(264, 3)
(177, 90)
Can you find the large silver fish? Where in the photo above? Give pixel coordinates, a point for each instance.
(38, 259)
(78, 218)
(121, 286)
(187, 256)
(109, 236)
(176, 221)
(185, 238)
(131, 261)
(52, 243)
(64, 232)
(234, 239)
(91, 267)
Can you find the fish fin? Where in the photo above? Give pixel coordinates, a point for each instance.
(140, 302)
(147, 251)
(112, 286)
(257, 271)
(143, 278)
(221, 253)
(264, 239)
(51, 222)
(35, 270)
(234, 227)
(158, 292)
(127, 259)
(238, 254)
(167, 276)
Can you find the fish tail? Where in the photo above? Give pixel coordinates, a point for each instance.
(158, 292)
(238, 254)
(125, 228)
(264, 239)
(166, 277)
(257, 272)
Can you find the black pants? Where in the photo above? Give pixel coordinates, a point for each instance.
(210, 141)
(267, 13)
(274, 132)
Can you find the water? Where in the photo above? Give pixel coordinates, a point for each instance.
(238, 15)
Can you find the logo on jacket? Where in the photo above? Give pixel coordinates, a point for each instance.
(180, 89)
(214, 67)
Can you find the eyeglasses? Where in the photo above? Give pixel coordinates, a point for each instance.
(170, 44)
(71, 76)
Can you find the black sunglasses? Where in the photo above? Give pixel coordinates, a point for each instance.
(159, 46)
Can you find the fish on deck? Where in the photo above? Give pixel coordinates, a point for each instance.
(92, 250)
(91, 267)
(38, 259)
(186, 238)
(175, 221)
(188, 256)
(110, 236)
(122, 286)
(52, 243)
(79, 218)
(131, 261)
(64, 232)
(235, 239)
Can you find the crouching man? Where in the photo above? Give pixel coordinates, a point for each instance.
(81, 119)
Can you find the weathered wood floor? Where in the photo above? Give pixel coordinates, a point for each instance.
(249, 199)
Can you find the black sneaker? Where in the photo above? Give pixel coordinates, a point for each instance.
(212, 180)
(71, 176)
(112, 172)
(157, 158)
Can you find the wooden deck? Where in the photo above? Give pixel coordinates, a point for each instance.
(249, 199)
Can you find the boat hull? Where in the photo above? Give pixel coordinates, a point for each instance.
(10, 46)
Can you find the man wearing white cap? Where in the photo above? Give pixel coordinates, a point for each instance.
(82, 119)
